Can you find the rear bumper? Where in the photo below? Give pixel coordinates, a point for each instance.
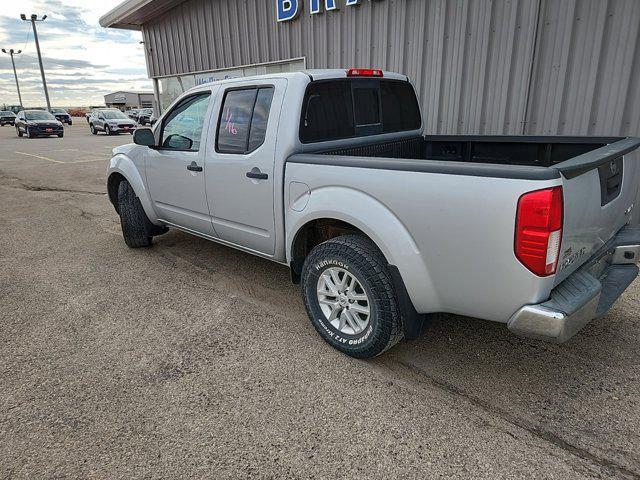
(587, 294)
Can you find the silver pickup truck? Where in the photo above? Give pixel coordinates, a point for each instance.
(329, 172)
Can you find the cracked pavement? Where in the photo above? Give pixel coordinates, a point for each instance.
(193, 360)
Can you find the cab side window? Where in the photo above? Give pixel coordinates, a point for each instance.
(243, 120)
(182, 129)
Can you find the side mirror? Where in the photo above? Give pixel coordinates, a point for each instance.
(178, 142)
(144, 137)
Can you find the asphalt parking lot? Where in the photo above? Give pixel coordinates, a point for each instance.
(192, 360)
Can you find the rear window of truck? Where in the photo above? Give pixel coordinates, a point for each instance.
(347, 108)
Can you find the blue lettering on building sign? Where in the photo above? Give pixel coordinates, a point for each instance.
(290, 9)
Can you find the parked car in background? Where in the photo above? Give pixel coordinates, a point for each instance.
(152, 120)
(144, 116)
(111, 121)
(87, 115)
(38, 123)
(133, 113)
(7, 118)
(62, 115)
(329, 173)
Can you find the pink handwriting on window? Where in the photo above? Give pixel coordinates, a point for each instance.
(230, 126)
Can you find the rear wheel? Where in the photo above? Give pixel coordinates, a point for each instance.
(349, 296)
(137, 230)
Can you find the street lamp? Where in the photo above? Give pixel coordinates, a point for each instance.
(33, 19)
(13, 52)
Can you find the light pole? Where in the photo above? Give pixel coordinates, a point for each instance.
(11, 52)
(33, 19)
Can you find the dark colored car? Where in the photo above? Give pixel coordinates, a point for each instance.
(111, 121)
(144, 116)
(62, 115)
(7, 118)
(38, 123)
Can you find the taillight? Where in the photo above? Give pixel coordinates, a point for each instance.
(539, 230)
(364, 72)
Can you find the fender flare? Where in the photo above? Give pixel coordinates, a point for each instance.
(413, 283)
(124, 166)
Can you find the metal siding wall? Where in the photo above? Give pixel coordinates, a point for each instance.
(479, 66)
(583, 82)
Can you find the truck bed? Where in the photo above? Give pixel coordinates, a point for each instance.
(502, 150)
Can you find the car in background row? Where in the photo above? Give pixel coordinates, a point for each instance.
(62, 115)
(133, 113)
(7, 118)
(38, 123)
(144, 117)
(111, 121)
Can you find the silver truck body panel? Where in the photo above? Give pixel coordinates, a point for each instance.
(587, 224)
(451, 236)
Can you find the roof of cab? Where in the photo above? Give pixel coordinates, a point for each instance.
(308, 75)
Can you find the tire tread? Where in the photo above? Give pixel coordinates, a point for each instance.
(369, 260)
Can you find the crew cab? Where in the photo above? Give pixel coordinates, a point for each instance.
(38, 123)
(111, 121)
(329, 172)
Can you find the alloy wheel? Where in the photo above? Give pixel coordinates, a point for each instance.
(344, 301)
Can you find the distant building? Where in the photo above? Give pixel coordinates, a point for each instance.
(127, 100)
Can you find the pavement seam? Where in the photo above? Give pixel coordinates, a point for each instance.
(41, 188)
(609, 465)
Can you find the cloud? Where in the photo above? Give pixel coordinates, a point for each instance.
(82, 60)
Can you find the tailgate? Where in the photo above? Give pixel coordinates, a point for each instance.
(600, 190)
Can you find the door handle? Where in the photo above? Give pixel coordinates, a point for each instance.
(257, 174)
(194, 167)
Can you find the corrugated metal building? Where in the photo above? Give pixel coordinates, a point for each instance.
(568, 67)
(127, 100)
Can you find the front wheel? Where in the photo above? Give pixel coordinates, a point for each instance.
(29, 134)
(349, 296)
(107, 130)
(93, 129)
(19, 132)
(137, 229)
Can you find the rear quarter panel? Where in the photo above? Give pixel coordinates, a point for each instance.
(451, 236)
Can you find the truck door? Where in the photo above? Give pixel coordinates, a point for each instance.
(176, 168)
(240, 167)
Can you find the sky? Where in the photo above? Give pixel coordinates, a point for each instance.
(82, 60)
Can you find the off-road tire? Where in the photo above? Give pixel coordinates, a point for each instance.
(361, 257)
(137, 230)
